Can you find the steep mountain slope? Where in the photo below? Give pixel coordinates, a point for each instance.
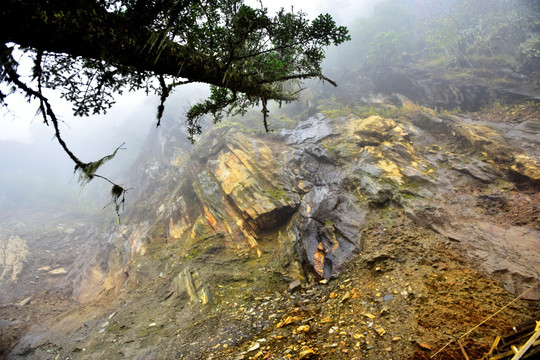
(433, 219)
(379, 220)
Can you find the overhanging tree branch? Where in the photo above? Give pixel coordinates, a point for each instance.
(91, 49)
(87, 171)
(90, 31)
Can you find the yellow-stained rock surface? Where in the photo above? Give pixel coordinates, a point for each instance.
(351, 237)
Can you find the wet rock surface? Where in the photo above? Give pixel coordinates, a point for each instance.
(334, 237)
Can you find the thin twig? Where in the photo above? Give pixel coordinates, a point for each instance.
(463, 350)
(265, 112)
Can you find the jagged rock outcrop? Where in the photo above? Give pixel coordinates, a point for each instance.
(245, 211)
(320, 181)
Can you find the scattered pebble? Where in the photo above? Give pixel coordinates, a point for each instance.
(302, 328)
(254, 347)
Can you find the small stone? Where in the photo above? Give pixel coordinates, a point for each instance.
(302, 328)
(58, 271)
(358, 336)
(25, 301)
(380, 331)
(152, 324)
(326, 346)
(295, 285)
(396, 338)
(388, 297)
(323, 281)
(254, 347)
(306, 352)
(346, 296)
(424, 346)
(384, 311)
(371, 316)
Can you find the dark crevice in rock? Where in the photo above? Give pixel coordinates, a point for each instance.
(275, 218)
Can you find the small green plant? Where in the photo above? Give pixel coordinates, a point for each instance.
(337, 111)
(453, 111)
(277, 193)
(192, 254)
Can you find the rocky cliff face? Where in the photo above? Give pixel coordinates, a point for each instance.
(245, 215)
(313, 186)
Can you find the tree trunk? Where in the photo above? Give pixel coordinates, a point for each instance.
(82, 28)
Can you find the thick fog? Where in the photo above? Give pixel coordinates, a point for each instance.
(34, 169)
